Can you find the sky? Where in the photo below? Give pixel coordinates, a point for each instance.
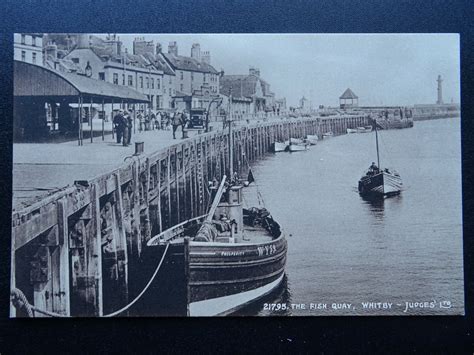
(382, 69)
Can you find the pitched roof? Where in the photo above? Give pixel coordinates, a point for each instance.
(159, 63)
(190, 64)
(241, 85)
(348, 94)
(29, 79)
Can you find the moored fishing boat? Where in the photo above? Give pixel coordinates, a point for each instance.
(311, 139)
(231, 257)
(351, 130)
(293, 147)
(327, 134)
(279, 147)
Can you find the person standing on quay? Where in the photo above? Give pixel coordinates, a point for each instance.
(176, 123)
(118, 126)
(129, 123)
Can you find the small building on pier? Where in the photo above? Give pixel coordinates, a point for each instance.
(348, 100)
(48, 102)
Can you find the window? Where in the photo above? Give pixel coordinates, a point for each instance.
(182, 87)
(182, 75)
(170, 82)
(141, 82)
(23, 39)
(115, 78)
(158, 101)
(158, 86)
(33, 41)
(152, 102)
(130, 80)
(192, 76)
(34, 58)
(123, 79)
(204, 78)
(23, 56)
(169, 91)
(102, 75)
(147, 83)
(75, 60)
(152, 83)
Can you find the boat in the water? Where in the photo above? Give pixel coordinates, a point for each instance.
(328, 134)
(229, 257)
(366, 129)
(311, 139)
(351, 130)
(293, 147)
(279, 147)
(232, 256)
(378, 182)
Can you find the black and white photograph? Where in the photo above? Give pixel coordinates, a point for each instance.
(266, 174)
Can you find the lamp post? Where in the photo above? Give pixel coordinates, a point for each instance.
(216, 99)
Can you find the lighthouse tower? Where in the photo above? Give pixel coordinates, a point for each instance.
(440, 91)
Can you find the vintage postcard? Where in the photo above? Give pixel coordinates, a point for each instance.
(236, 174)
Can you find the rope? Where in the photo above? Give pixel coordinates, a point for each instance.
(18, 295)
(144, 290)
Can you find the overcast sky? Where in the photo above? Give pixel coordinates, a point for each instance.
(395, 69)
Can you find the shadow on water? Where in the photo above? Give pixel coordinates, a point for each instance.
(281, 295)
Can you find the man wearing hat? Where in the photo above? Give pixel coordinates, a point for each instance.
(118, 125)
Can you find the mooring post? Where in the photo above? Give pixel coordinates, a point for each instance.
(94, 250)
(63, 307)
(121, 240)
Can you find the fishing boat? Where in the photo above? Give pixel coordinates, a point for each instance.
(328, 134)
(351, 130)
(229, 257)
(378, 182)
(279, 147)
(366, 129)
(311, 139)
(297, 147)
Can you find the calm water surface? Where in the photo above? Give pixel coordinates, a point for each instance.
(342, 249)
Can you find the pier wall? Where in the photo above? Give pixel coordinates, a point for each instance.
(76, 252)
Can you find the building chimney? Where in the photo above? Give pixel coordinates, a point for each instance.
(51, 50)
(83, 41)
(158, 48)
(254, 71)
(206, 57)
(196, 51)
(440, 90)
(173, 48)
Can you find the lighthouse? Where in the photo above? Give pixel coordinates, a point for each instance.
(440, 91)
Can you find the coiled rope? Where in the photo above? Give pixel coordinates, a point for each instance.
(19, 299)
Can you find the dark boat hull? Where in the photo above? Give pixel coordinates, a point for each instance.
(225, 277)
(380, 185)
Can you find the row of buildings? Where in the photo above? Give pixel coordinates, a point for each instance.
(169, 79)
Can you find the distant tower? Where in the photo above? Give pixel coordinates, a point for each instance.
(440, 91)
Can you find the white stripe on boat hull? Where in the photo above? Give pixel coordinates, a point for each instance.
(227, 304)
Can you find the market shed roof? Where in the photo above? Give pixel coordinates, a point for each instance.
(32, 80)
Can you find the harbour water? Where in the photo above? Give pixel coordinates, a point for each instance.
(405, 251)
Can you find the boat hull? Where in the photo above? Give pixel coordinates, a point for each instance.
(312, 139)
(279, 147)
(351, 130)
(224, 277)
(297, 147)
(382, 184)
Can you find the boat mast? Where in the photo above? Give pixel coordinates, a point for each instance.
(231, 140)
(377, 142)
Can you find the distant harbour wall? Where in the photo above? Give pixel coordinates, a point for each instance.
(76, 252)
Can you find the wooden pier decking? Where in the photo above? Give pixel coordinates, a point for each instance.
(72, 251)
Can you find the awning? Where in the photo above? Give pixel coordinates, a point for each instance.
(32, 80)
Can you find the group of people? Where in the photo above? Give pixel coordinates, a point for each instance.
(123, 125)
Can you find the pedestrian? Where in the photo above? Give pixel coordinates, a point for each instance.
(130, 127)
(278, 111)
(118, 126)
(184, 121)
(126, 129)
(176, 122)
(158, 120)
